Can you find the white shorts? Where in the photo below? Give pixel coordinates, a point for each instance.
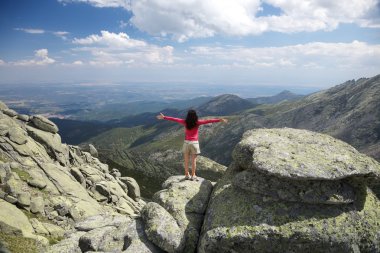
(191, 147)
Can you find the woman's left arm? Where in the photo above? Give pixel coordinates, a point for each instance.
(208, 121)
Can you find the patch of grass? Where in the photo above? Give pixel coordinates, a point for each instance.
(22, 174)
(18, 244)
(38, 216)
(54, 240)
(29, 214)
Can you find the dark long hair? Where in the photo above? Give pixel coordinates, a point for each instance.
(191, 119)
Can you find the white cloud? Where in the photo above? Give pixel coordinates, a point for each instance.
(77, 63)
(118, 48)
(196, 19)
(315, 54)
(31, 30)
(114, 40)
(183, 20)
(40, 58)
(101, 3)
(2, 63)
(61, 34)
(123, 24)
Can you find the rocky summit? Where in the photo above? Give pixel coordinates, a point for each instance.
(48, 187)
(292, 190)
(287, 190)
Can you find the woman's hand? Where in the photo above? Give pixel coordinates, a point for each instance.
(161, 116)
(224, 120)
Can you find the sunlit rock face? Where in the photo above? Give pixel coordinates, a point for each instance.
(293, 190)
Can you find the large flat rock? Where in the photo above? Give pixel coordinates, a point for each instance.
(301, 155)
(14, 217)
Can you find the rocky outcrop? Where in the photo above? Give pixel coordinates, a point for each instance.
(186, 201)
(307, 192)
(57, 184)
(161, 228)
(44, 124)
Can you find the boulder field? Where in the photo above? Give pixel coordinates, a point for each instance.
(47, 187)
(287, 190)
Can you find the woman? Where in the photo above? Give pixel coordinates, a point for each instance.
(191, 144)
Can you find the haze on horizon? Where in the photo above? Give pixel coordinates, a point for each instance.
(299, 43)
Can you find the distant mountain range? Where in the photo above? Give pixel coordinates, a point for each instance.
(282, 96)
(78, 131)
(349, 111)
(226, 104)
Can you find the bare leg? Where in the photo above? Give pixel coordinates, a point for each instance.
(193, 164)
(186, 163)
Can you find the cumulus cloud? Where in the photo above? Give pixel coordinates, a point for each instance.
(196, 19)
(2, 63)
(310, 55)
(40, 58)
(118, 48)
(183, 20)
(101, 3)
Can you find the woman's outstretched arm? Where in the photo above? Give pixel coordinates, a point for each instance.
(208, 121)
(162, 116)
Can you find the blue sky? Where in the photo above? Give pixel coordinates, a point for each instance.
(293, 43)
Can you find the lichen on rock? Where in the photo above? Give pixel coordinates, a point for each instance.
(257, 206)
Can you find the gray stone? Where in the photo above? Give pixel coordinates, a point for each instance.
(3, 106)
(142, 247)
(312, 191)
(10, 199)
(115, 173)
(91, 173)
(36, 179)
(133, 187)
(136, 239)
(37, 205)
(14, 217)
(51, 142)
(85, 206)
(78, 175)
(14, 165)
(161, 228)
(301, 154)
(186, 201)
(10, 112)
(54, 230)
(17, 135)
(24, 199)
(99, 221)
(23, 117)
(3, 129)
(69, 245)
(231, 224)
(38, 227)
(103, 189)
(62, 209)
(44, 124)
(93, 150)
(109, 188)
(100, 239)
